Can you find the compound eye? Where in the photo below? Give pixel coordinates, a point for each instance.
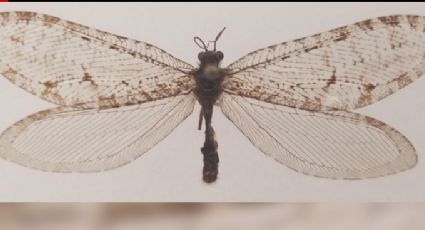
(201, 55)
(220, 55)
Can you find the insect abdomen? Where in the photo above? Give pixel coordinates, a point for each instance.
(211, 159)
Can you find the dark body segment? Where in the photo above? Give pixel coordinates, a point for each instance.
(209, 78)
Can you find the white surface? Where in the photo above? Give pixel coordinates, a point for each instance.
(171, 171)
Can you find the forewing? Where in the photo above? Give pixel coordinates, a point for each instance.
(345, 68)
(67, 139)
(74, 65)
(331, 144)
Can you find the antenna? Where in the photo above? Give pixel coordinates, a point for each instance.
(198, 41)
(217, 37)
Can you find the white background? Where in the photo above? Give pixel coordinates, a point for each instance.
(171, 171)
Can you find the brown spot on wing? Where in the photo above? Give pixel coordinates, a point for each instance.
(108, 102)
(163, 89)
(146, 95)
(51, 91)
(311, 104)
(50, 19)
(132, 53)
(25, 15)
(342, 38)
(366, 96)
(121, 37)
(403, 80)
(9, 73)
(16, 39)
(332, 80)
(370, 87)
(366, 25)
(285, 57)
(390, 20)
(114, 47)
(344, 32)
(50, 84)
(311, 48)
(413, 21)
(89, 78)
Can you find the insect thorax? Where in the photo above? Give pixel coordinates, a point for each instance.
(209, 78)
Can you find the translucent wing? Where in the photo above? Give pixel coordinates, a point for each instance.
(67, 139)
(332, 144)
(345, 68)
(74, 65)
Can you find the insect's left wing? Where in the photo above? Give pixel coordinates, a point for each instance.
(331, 144)
(73, 65)
(67, 139)
(342, 69)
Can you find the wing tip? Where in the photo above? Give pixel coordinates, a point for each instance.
(358, 175)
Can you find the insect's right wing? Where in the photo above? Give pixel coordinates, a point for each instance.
(67, 139)
(341, 69)
(331, 144)
(73, 65)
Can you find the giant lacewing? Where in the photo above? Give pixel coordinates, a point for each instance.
(117, 97)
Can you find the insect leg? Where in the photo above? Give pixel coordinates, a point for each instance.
(209, 150)
(201, 117)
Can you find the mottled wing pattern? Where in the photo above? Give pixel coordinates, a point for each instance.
(66, 139)
(331, 144)
(345, 68)
(74, 65)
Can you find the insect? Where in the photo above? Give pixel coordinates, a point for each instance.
(118, 97)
